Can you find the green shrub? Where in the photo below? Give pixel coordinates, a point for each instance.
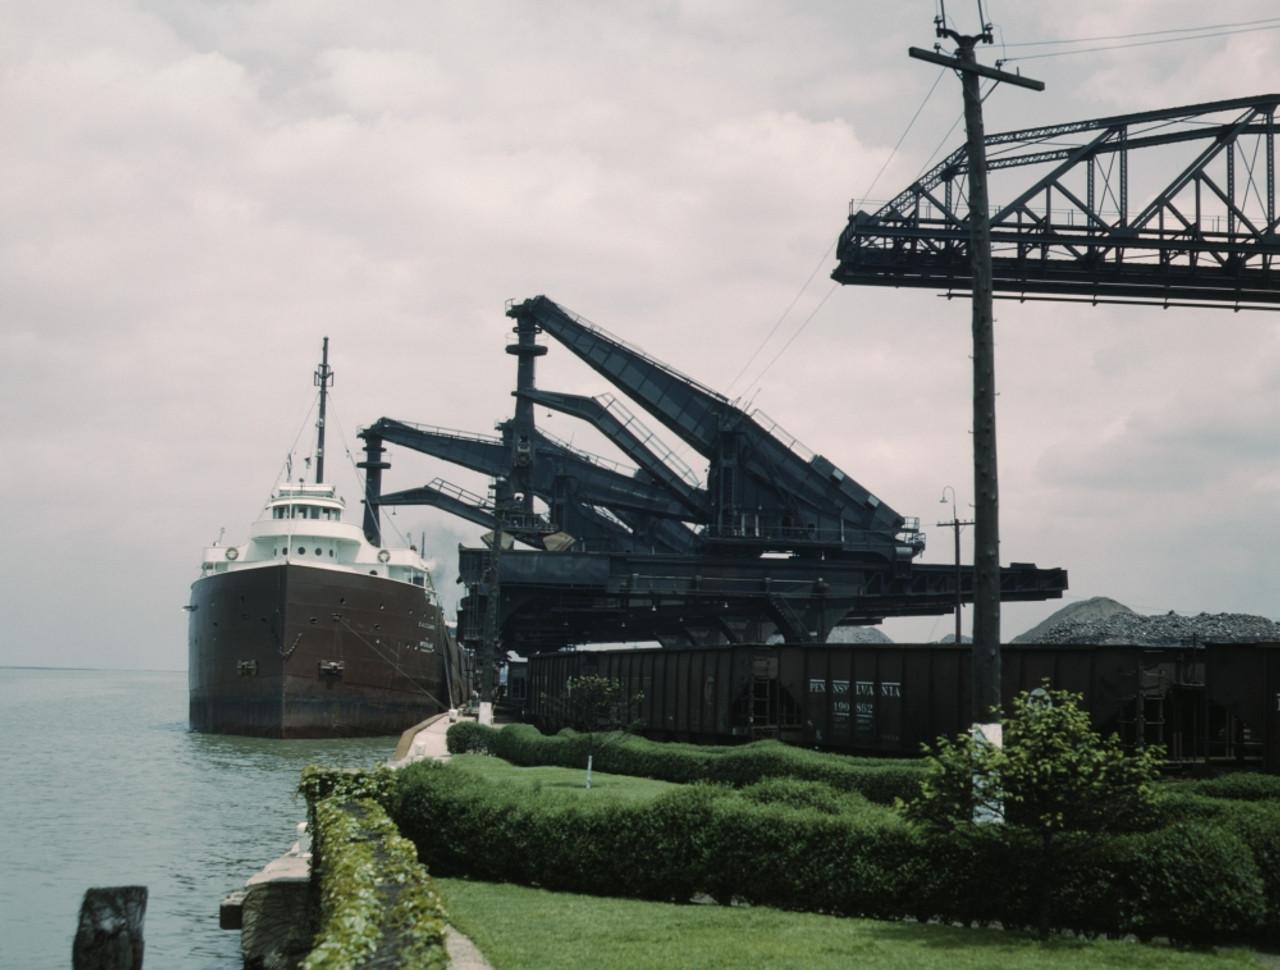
(1180, 803)
(1258, 826)
(347, 784)
(975, 876)
(695, 839)
(457, 820)
(523, 744)
(1241, 785)
(376, 902)
(468, 737)
(738, 766)
(319, 782)
(1193, 883)
(797, 793)
(1054, 781)
(795, 844)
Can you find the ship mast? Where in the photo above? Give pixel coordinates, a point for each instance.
(323, 380)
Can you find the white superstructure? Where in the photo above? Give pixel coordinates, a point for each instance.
(302, 525)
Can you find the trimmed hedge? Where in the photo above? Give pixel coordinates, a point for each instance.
(809, 846)
(468, 737)
(879, 781)
(319, 782)
(378, 906)
(1195, 884)
(698, 839)
(1257, 825)
(1241, 785)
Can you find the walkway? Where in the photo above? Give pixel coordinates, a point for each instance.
(426, 740)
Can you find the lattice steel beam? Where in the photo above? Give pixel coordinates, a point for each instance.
(1205, 232)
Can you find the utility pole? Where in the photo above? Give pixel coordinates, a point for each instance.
(986, 552)
(956, 525)
(492, 626)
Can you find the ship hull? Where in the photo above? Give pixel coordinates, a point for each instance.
(292, 651)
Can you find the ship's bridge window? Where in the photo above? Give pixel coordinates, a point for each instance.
(306, 512)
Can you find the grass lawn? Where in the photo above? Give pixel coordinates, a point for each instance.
(529, 929)
(551, 778)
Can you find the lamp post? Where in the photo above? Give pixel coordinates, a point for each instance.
(955, 524)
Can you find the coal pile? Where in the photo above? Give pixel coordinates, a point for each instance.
(1103, 621)
(857, 634)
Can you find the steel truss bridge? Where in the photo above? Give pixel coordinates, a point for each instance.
(1174, 207)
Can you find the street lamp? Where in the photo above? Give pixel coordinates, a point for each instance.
(955, 524)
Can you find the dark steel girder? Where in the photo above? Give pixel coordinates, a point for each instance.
(599, 483)
(553, 601)
(612, 418)
(773, 491)
(1207, 234)
(781, 541)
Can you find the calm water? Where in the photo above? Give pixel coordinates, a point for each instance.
(101, 784)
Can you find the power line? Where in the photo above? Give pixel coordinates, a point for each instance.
(1145, 43)
(826, 253)
(799, 330)
(1146, 33)
(907, 131)
(785, 313)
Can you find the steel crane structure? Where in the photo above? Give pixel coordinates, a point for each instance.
(778, 540)
(1198, 227)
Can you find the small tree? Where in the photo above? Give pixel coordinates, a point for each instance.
(1054, 776)
(595, 705)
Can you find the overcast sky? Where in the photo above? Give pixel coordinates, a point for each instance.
(194, 194)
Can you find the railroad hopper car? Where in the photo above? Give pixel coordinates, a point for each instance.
(1209, 702)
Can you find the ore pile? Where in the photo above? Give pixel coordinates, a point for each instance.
(857, 634)
(1123, 626)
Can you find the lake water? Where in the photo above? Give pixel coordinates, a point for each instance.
(101, 784)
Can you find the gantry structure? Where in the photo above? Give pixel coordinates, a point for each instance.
(1175, 207)
(777, 542)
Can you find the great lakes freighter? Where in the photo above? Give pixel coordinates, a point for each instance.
(310, 630)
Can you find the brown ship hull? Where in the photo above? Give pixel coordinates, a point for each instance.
(292, 651)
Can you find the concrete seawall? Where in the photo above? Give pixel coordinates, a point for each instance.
(272, 909)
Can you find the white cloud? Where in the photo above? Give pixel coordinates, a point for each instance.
(195, 194)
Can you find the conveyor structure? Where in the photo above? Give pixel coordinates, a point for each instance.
(778, 542)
